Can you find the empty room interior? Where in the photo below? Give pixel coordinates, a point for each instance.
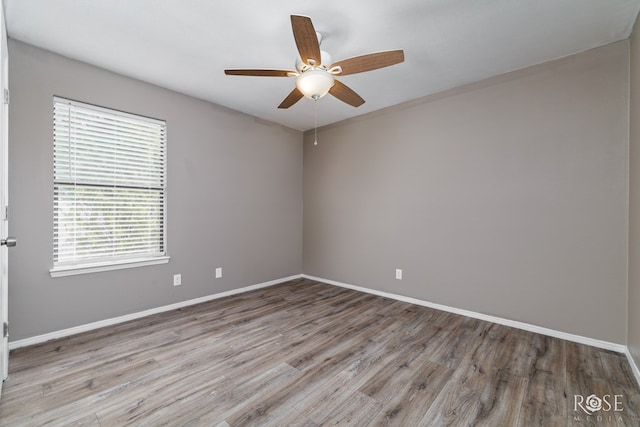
(412, 213)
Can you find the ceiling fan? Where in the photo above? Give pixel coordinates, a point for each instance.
(316, 74)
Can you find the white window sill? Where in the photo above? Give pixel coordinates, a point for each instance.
(106, 266)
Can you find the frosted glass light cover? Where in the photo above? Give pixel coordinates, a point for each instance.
(314, 83)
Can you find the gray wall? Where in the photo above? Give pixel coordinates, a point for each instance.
(234, 198)
(633, 340)
(506, 197)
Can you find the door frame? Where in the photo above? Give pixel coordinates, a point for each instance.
(4, 196)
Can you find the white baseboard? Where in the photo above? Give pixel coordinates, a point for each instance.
(120, 319)
(506, 322)
(634, 367)
(620, 348)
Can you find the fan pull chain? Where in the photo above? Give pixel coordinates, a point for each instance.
(315, 127)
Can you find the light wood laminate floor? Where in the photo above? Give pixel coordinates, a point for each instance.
(305, 353)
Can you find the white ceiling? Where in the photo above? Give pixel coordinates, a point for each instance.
(185, 45)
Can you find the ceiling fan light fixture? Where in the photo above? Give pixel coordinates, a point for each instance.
(316, 72)
(315, 83)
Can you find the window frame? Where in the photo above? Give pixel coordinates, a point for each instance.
(116, 262)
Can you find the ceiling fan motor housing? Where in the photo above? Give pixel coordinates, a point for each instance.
(325, 61)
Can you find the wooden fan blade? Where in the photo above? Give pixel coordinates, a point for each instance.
(291, 99)
(372, 61)
(306, 39)
(345, 94)
(262, 73)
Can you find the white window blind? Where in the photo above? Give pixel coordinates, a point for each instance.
(109, 185)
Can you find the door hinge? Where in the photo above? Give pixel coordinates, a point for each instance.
(6, 96)
(5, 330)
(6, 213)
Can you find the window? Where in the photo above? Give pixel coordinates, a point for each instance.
(109, 189)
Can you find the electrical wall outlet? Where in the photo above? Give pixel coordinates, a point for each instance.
(177, 279)
(219, 273)
(398, 273)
